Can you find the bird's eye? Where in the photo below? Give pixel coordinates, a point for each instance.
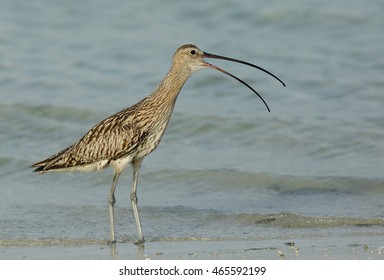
(192, 52)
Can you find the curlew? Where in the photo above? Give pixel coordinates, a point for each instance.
(129, 135)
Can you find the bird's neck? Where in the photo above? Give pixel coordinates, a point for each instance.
(171, 85)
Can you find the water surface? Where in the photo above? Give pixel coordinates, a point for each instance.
(226, 168)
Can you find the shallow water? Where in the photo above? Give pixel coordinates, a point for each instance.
(226, 168)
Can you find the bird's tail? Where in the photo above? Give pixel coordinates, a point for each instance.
(51, 163)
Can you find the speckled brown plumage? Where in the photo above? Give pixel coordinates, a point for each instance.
(135, 131)
(129, 135)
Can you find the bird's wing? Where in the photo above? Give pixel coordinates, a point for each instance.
(113, 137)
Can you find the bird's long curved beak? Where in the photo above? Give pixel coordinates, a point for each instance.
(214, 56)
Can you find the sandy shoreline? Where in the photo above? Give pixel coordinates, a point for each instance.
(348, 248)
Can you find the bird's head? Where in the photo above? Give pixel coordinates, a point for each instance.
(190, 58)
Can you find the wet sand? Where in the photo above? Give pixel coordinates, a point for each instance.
(350, 248)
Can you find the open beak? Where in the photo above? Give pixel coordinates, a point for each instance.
(209, 55)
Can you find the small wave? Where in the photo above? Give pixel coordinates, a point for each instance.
(289, 220)
(50, 242)
(60, 113)
(281, 184)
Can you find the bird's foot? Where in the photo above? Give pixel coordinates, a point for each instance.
(139, 242)
(111, 242)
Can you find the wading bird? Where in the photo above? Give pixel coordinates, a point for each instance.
(129, 135)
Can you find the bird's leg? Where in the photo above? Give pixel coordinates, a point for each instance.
(136, 167)
(111, 204)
